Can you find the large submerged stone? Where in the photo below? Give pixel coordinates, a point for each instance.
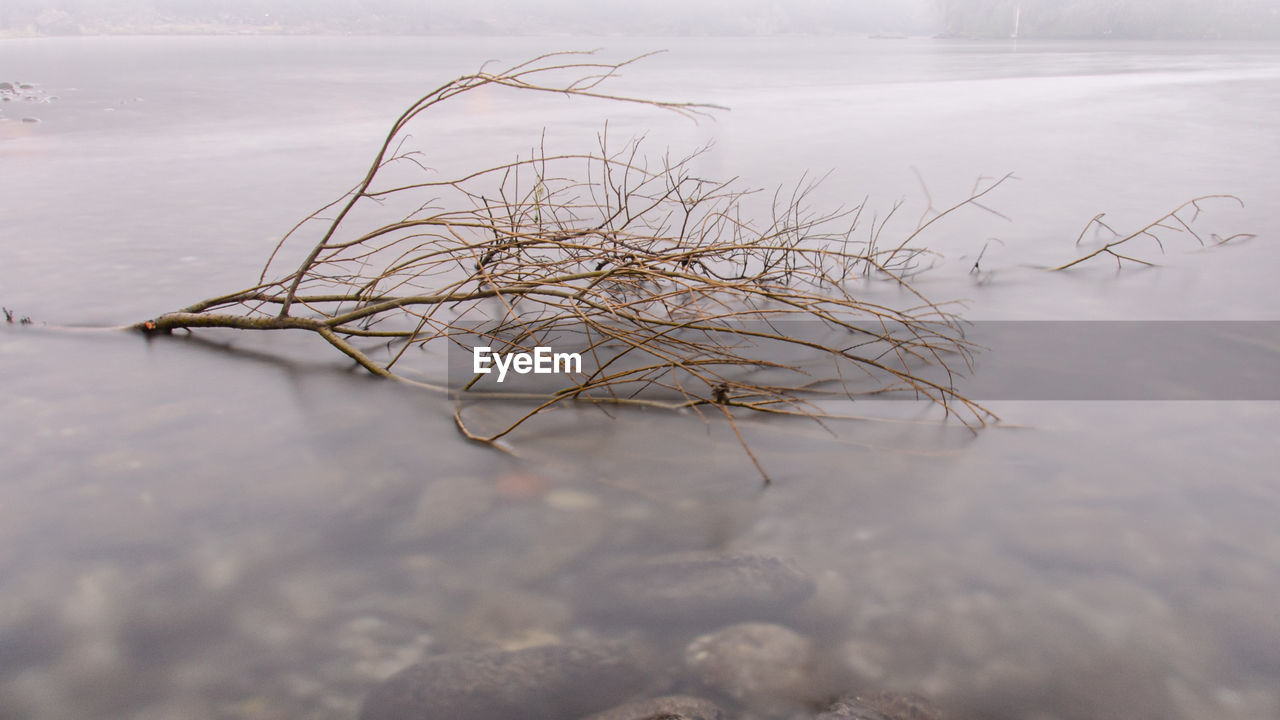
(551, 682)
(760, 665)
(700, 587)
(669, 707)
(881, 706)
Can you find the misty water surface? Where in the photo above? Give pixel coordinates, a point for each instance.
(196, 530)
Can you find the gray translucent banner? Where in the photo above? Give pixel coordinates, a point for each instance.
(1125, 360)
(1006, 360)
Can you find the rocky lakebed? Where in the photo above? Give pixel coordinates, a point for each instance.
(752, 666)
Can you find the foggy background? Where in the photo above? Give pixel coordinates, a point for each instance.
(1153, 19)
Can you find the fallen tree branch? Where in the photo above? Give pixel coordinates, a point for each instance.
(654, 272)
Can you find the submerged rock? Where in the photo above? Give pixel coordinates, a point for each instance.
(552, 682)
(446, 504)
(670, 707)
(881, 706)
(757, 664)
(700, 587)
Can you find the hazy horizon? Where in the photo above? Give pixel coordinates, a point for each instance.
(1157, 19)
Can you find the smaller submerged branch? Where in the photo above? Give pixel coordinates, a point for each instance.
(1170, 221)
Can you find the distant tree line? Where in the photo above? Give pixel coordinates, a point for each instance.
(1175, 19)
(1137, 19)
(520, 17)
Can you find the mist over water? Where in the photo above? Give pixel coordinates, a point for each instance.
(1027, 19)
(224, 526)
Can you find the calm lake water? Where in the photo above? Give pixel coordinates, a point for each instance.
(240, 527)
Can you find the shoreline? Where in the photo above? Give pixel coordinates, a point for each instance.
(219, 30)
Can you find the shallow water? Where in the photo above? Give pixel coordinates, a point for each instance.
(196, 530)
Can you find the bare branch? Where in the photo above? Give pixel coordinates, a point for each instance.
(654, 272)
(1171, 221)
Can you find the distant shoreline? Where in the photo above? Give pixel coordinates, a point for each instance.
(278, 31)
(175, 29)
(321, 30)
